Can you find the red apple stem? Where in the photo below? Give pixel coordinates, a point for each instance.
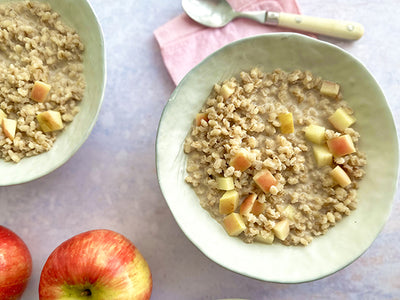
(86, 292)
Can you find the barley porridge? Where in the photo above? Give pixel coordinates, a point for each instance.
(274, 156)
(41, 78)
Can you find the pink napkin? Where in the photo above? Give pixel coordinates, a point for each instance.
(184, 43)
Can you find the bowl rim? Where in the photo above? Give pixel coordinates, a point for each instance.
(163, 191)
(102, 89)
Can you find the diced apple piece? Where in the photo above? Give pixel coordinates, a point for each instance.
(340, 176)
(266, 238)
(234, 224)
(330, 89)
(341, 119)
(289, 213)
(9, 126)
(315, 134)
(227, 90)
(281, 229)
(201, 116)
(50, 120)
(341, 145)
(247, 204)
(40, 91)
(286, 121)
(322, 155)
(258, 208)
(280, 208)
(228, 202)
(2, 115)
(225, 183)
(241, 161)
(264, 179)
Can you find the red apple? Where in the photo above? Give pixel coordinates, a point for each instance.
(201, 116)
(258, 208)
(247, 204)
(265, 180)
(340, 176)
(9, 127)
(97, 264)
(241, 161)
(40, 91)
(15, 265)
(341, 145)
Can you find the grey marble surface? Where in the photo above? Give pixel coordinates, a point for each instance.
(111, 181)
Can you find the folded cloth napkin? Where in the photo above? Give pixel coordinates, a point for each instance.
(184, 43)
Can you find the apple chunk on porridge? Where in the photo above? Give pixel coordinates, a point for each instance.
(274, 156)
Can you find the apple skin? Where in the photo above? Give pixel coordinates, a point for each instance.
(265, 180)
(98, 264)
(15, 265)
(341, 145)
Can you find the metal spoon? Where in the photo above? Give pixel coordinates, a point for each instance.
(218, 13)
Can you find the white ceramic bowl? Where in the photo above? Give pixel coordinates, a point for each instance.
(79, 15)
(350, 237)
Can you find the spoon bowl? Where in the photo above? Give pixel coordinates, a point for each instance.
(210, 13)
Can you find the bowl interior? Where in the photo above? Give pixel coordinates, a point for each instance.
(79, 15)
(351, 236)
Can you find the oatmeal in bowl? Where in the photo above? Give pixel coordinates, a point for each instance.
(41, 81)
(51, 86)
(274, 157)
(337, 216)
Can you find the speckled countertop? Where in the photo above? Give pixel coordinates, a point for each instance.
(111, 181)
